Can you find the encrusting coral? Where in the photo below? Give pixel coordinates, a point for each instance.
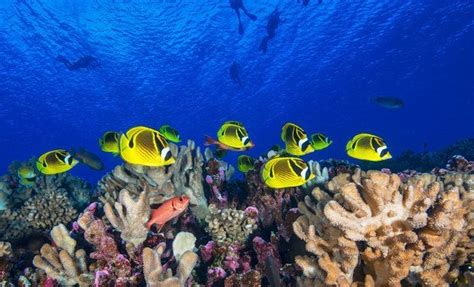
(63, 262)
(410, 231)
(158, 276)
(184, 177)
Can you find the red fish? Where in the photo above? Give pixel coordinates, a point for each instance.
(167, 211)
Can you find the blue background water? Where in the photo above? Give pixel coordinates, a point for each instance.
(163, 62)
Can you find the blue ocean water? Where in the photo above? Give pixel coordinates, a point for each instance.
(167, 62)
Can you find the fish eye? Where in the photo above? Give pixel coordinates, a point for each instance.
(305, 173)
(131, 144)
(383, 152)
(246, 140)
(166, 153)
(305, 145)
(44, 163)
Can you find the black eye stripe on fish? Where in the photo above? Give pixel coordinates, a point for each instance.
(305, 145)
(295, 167)
(383, 152)
(168, 155)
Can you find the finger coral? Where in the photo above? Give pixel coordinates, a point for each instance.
(410, 231)
(129, 216)
(157, 276)
(63, 262)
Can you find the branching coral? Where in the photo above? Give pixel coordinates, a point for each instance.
(229, 226)
(50, 200)
(129, 216)
(157, 276)
(408, 230)
(63, 262)
(182, 177)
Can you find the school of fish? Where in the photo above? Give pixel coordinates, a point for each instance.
(281, 167)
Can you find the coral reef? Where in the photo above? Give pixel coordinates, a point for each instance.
(158, 276)
(184, 177)
(63, 262)
(129, 216)
(230, 226)
(51, 200)
(183, 242)
(425, 161)
(409, 232)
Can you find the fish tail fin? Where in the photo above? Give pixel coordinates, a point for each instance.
(149, 224)
(209, 141)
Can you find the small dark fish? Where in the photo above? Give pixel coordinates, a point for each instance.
(85, 62)
(389, 102)
(88, 158)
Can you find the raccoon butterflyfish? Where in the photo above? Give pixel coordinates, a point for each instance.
(27, 175)
(320, 141)
(145, 146)
(231, 136)
(55, 161)
(283, 172)
(109, 142)
(368, 147)
(273, 151)
(245, 163)
(295, 139)
(170, 133)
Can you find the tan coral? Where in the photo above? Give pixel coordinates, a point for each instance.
(337, 256)
(153, 271)
(411, 231)
(182, 177)
(129, 216)
(63, 263)
(379, 208)
(5, 249)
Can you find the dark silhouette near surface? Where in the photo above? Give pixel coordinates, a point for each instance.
(306, 2)
(273, 23)
(84, 62)
(237, 5)
(235, 73)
